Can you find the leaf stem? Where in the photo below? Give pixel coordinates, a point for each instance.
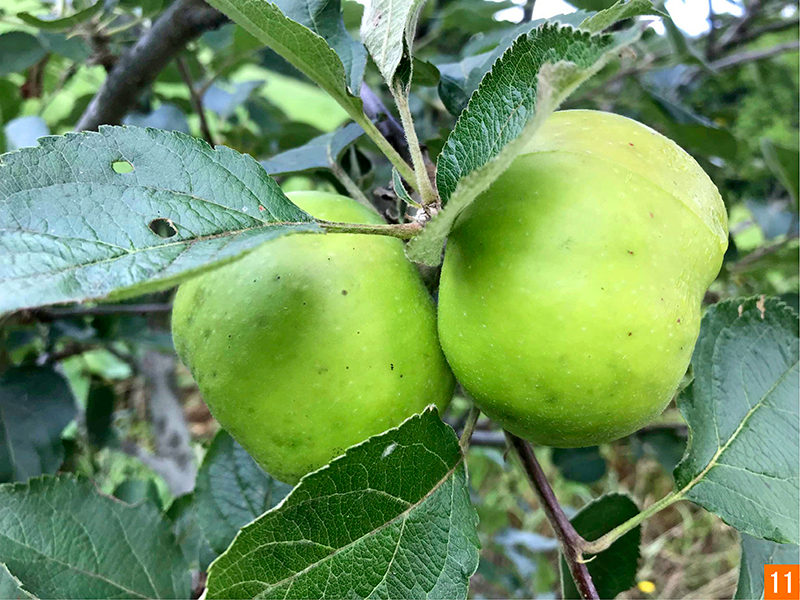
(384, 146)
(350, 185)
(404, 231)
(570, 540)
(469, 427)
(424, 187)
(604, 542)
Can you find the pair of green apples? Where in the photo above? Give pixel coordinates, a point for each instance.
(569, 306)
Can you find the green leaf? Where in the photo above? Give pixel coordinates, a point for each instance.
(307, 50)
(63, 539)
(584, 465)
(390, 518)
(785, 164)
(36, 405)
(324, 17)
(755, 554)
(623, 9)
(99, 414)
(189, 534)
(10, 586)
(231, 491)
(19, 50)
(525, 85)
(742, 459)
(614, 570)
(136, 491)
(73, 228)
(65, 22)
(388, 28)
(320, 153)
(459, 80)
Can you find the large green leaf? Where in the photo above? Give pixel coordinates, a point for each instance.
(755, 554)
(324, 17)
(231, 491)
(743, 459)
(35, 406)
(614, 570)
(61, 538)
(73, 228)
(525, 85)
(391, 518)
(304, 48)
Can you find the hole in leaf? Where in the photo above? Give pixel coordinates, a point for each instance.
(122, 166)
(163, 228)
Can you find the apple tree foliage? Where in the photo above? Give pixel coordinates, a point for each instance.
(104, 218)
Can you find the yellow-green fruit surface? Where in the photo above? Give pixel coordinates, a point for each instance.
(571, 289)
(312, 343)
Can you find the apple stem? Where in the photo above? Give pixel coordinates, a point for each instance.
(469, 428)
(570, 540)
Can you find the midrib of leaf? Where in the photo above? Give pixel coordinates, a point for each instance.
(126, 253)
(718, 454)
(381, 527)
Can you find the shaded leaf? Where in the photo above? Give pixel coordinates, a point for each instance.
(319, 153)
(614, 570)
(785, 164)
(10, 586)
(755, 554)
(99, 412)
(189, 534)
(63, 539)
(19, 50)
(743, 457)
(136, 491)
(389, 518)
(167, 116)
(231, 491)
(36, 405)
(224, 100)
(584, 465)
(65, 22)
(74, 228)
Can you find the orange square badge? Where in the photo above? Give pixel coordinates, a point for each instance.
(781, 582)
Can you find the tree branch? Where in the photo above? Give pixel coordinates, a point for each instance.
(745, 57)
(182, 22)
(570, 541)
(749, 36)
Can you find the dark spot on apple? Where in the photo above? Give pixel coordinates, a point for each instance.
(277, 278)
(630, 252)
(679, 320)
(344, 292)
(391, 366)
(630, 333)
(630, 143)
(651, 215)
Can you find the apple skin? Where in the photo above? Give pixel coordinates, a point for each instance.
(312, 343)
(570, 295)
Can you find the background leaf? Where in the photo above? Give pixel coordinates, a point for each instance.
(389, 518)
(79, 233)
(63, 539)
(614, 570)
(319, 153)
(36, 404)
(231, 491)
(584, 465)
(755, 554)
(743, 458)
(785, 163)
(19, 50)
(65, 22)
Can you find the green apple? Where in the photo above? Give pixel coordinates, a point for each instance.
(312, 343)
(571, 289)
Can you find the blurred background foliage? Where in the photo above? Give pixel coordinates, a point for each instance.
(721, 80)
